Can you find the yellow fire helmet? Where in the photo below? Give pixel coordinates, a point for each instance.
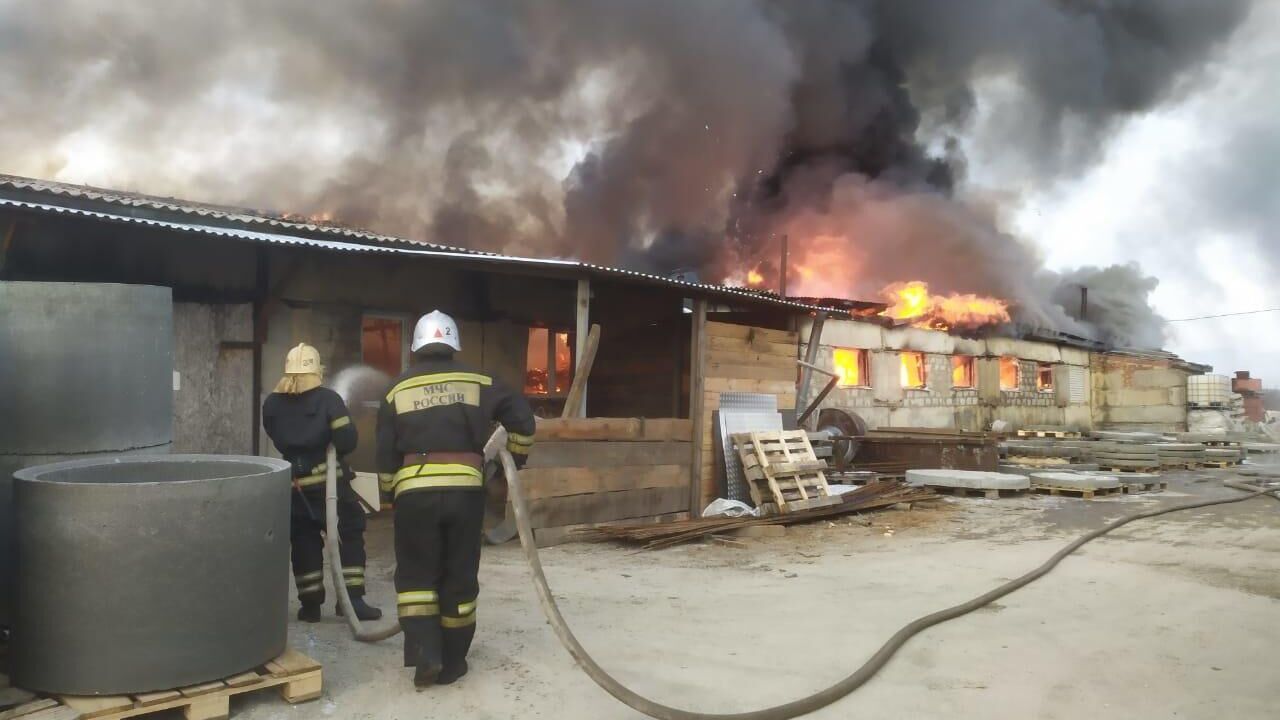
(303, 360)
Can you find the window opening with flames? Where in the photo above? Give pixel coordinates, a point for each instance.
(548, 362)
(913, 373)
(962, 372)
(1010, 374)
(852, 367)
(1044, 377)
(382, 344)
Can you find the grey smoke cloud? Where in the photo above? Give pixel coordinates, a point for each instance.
(617, 131)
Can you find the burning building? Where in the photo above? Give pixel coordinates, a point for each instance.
(248, 286)
(921, 369)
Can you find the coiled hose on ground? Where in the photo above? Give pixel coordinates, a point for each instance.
(791, 709)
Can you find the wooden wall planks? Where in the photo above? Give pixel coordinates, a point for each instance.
(742, 359)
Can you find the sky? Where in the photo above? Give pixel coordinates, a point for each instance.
(1171, 193)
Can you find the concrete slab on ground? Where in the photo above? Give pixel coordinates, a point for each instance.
(1074, 481)
(972, 479)
(1020, 469)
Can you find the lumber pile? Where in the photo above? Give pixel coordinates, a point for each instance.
(889, 448)
(913, 433)
(651, 537)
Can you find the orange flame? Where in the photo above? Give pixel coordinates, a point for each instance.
(851, 366)
(754, 277)
(324, 217)
(911, 301)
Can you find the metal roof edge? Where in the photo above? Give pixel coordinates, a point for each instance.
(243, 216)
(219, 231)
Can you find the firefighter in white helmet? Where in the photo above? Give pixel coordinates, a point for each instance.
(302, 417)
(432, 428)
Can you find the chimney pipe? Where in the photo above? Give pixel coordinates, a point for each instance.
(782, 271)
(1084, 302)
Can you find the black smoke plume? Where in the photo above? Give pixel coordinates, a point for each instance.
(662, 134)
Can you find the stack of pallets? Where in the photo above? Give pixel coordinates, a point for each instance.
(783, 473)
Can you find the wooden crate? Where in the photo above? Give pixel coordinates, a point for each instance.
(298, 677)
(783, 471)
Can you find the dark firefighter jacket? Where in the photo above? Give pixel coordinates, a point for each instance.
(302, 427)
(442, 406)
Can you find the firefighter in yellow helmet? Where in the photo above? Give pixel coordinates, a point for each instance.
(302, 418)
(432, 428)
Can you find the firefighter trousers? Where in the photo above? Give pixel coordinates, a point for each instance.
(437, 534)
(306, 537)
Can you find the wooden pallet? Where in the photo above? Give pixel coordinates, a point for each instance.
(975, 492)
(1085, 493)
(298, 677)
(1045, 462)
(1148, 469)
(1060, 434)
(782, 470)
(1220, 464)
(1136, 487)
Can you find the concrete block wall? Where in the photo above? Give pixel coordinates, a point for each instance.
(213, 388)
(1138, 393)
(886, 403)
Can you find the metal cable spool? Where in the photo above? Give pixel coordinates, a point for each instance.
(844, 428)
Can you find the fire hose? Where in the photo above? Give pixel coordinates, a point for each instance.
(791, 709)
(370, 635)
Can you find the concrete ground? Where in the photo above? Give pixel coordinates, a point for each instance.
(1173, 617)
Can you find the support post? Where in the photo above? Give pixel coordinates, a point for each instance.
(262, 293)
(6, 243)
(810, 358)
(552, 380)
(697, 401)
(782, 270)
(582, 326)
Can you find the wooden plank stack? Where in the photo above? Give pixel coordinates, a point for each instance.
(739, 358)
(874, 496)
(783, 473)
(587, 471)
(298, 677)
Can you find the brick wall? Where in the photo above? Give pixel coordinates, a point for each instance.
(939, 404)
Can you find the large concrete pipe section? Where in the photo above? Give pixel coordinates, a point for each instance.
(85, 369)
(139, 574)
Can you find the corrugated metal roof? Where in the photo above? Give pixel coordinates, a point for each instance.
(208, 211)
(193, 218)
(279, 230)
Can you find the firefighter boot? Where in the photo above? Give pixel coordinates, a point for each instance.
(364, 611)
(452, 673)
(309, 613)
(425, 676)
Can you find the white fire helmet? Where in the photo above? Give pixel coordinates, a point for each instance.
(302, 360)
(436, 327)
